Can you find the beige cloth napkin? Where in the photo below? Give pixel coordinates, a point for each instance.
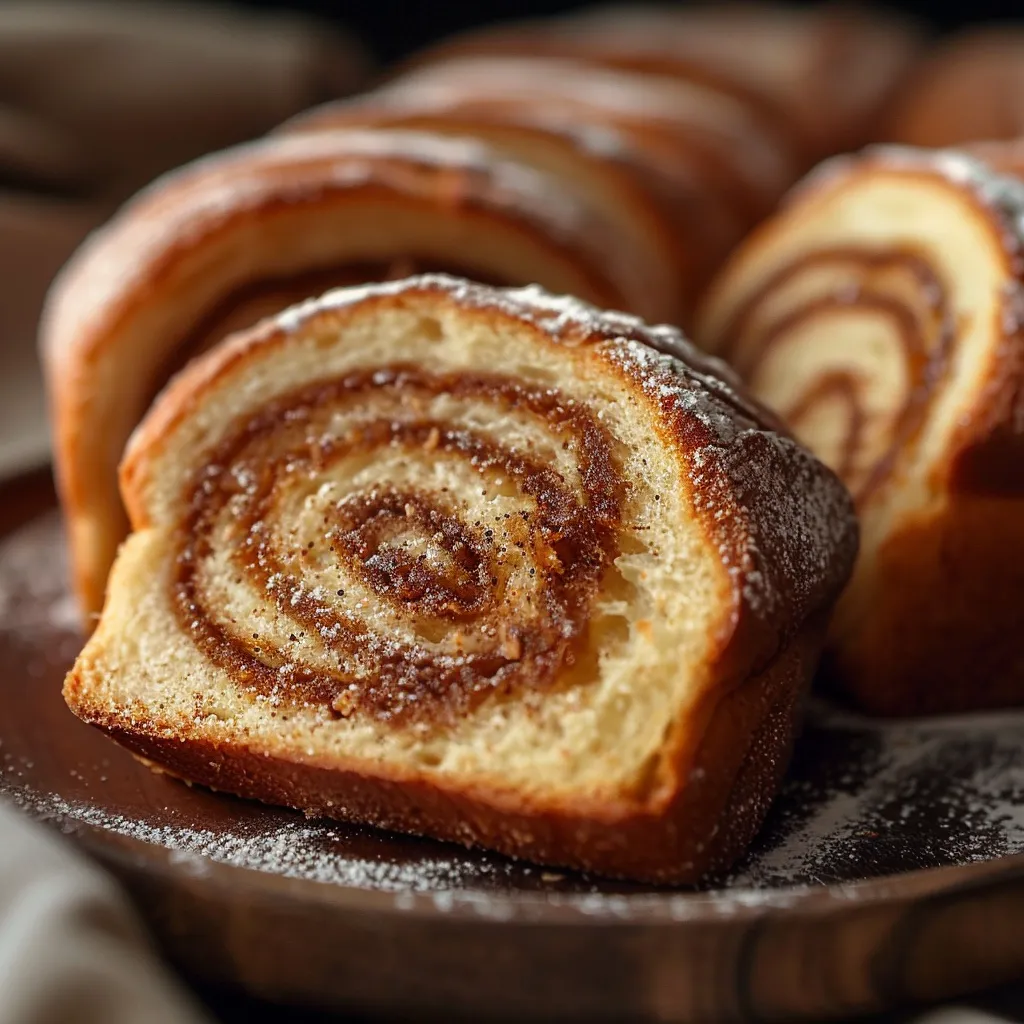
(70, 946)
(96, 99)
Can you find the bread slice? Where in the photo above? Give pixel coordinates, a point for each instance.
(236, 236)
(881, 314)
(819, 76)
(669, 208)
(483, 565)
(736, 152)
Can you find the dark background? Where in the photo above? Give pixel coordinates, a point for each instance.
(395, 27)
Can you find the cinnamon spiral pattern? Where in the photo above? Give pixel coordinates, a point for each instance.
(487, 565)
(376, 590)
(880, 315)
(860, 397)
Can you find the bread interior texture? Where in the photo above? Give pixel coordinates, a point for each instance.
(910, 213)
(596, 732)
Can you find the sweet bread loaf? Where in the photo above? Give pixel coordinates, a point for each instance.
(483, 565)
(217, 245)
(736, 155)
(968, 88)
(663, 200)
(819, 77)
(880, 313)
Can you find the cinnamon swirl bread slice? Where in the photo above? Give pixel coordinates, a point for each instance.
(881, 314)
(482, 565)
(236, 236)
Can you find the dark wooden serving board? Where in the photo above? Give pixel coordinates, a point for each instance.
(890, 872)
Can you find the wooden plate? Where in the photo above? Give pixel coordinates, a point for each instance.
(891, 870)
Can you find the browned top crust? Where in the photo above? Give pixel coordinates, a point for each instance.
(675, 203)
(181, 211)
(819, 77)
(254, 226)
(782, 522)
(678, 195)
(706, 128)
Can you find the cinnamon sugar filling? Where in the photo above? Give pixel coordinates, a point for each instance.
(371, 588)
(915, 331)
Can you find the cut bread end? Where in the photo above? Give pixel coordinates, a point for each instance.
(474, 564)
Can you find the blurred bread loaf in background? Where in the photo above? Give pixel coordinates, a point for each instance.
(98, 98)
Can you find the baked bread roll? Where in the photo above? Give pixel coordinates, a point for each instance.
(736, 155)
(663, 202)
(880, 314)
(820, 77)
(483, 565)
(968, 88)
(233, 237)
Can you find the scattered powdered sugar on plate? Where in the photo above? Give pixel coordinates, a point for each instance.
(867, 799)
(293, 850)
(31, 580)
(862, 799)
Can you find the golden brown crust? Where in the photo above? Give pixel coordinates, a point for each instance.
(819, 78)
(943, 632)
(721, 794)
(671, 201)
(124, 308)
(735, 154)
(185, 209)
(785, 539)
(932, 621)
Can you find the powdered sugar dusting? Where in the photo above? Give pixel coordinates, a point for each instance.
(292, 850)
(29, 582)
(563, 317)
(872, 798)
(863, 799)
